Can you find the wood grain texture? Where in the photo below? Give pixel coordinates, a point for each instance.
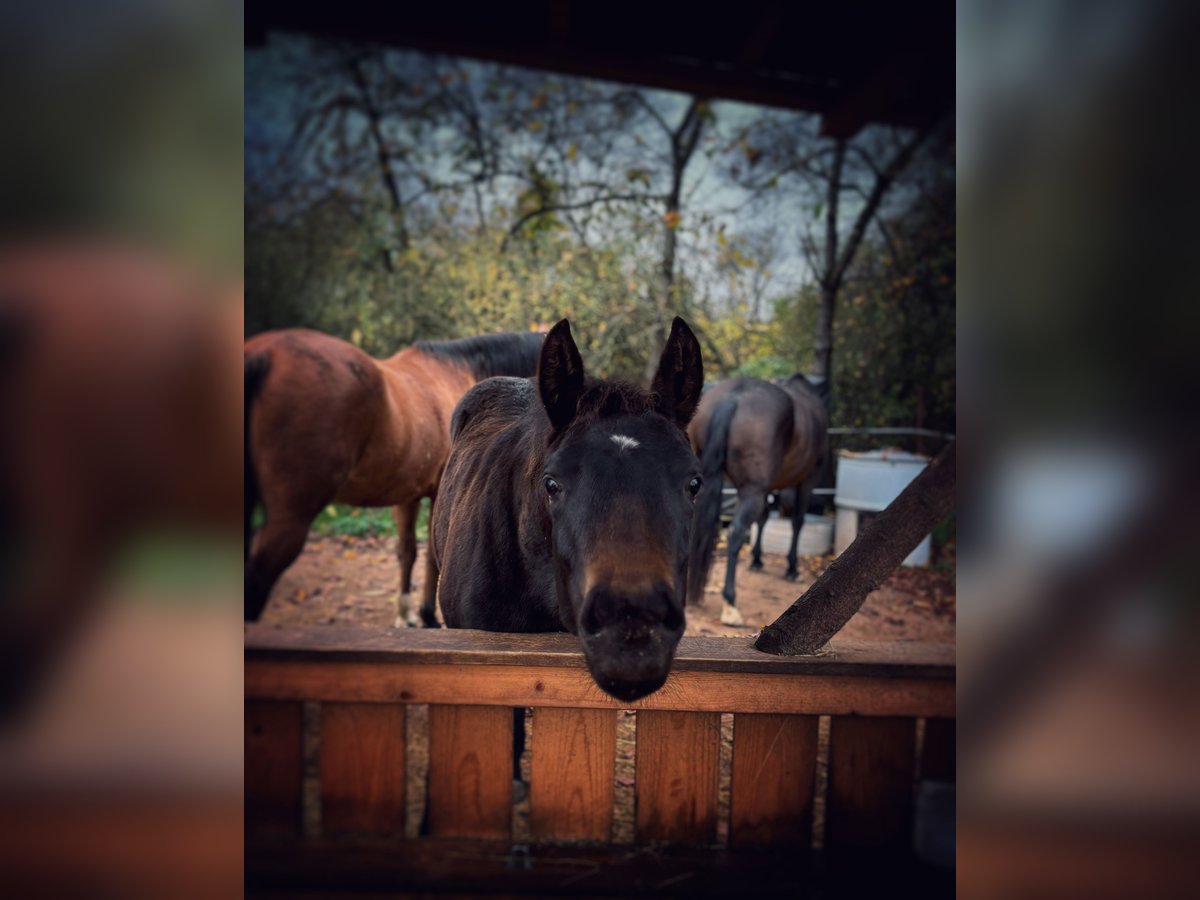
(774, 772)
(677, 757)
(362, 768)
(870, 796)
(273, 767)
(470, 771)
(571, 786)
(558, 686)
(938, 756)
(459, 646)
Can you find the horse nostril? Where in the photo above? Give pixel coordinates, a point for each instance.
(605, 608)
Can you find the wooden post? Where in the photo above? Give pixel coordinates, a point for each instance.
(819, 614)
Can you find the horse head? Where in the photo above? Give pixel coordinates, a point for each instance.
(620, 481)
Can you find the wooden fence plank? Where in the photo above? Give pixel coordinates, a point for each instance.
(677, 759)
(938, 750)
(774, 770)
(870, 795)
(510, 685)
(470, 771)
(362, 768)
(461, 646)
(273, 767)
(571, 789)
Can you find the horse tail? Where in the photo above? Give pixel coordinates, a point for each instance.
(256, 371)
(708, 502)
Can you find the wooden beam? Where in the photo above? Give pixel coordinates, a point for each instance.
(465, 647)
(511, 685)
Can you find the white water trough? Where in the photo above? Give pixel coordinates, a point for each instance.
(867, 483)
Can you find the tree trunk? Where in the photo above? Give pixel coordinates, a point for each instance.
(683, 145)
(838, 594)
(823, 340)
(666, 294)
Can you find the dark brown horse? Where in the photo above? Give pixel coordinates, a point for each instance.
(764, 437)
(327, 423)
(567, 506)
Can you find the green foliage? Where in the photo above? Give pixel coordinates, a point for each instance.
(356, 521)
(767, 368)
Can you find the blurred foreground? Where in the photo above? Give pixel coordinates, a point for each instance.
(1079, 727)
(120, 330)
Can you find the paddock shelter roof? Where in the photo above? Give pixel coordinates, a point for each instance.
(854, 63)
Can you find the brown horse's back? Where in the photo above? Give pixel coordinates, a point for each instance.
(313, 416)
(326, 422)
(776, 435)
(810, 439)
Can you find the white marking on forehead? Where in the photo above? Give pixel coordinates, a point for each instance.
(624, 441)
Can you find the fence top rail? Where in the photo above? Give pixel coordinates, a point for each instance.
(900, 659)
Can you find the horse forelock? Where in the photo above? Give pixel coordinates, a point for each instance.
(611, 399)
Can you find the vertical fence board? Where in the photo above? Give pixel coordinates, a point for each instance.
(774, 770)
(470, 771)
(677, 760)
(273, 767)
(870, 795)
(362, 767)
(938, 751)
(571, 789)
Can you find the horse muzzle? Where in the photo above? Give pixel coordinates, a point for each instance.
(629, 640)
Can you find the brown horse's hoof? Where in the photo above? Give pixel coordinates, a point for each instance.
(791, 576)
(756, 565)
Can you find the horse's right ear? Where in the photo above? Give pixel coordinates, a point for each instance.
(560, 376)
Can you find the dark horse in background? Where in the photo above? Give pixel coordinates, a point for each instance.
(567, 505)
(325, 422)
(764, 437)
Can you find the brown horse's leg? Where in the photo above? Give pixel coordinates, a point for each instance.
(803, 496)
(752, 501)
(276, 547)
(406, 555)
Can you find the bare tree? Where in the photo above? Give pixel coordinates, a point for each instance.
(832, 260)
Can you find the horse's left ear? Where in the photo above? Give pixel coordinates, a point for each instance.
(560, 376)
(680, 375)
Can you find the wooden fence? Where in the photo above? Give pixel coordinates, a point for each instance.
(879, 699)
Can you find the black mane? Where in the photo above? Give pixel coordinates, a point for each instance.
(490, 354)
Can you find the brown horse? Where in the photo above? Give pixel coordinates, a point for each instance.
(327, 423)
(764, 437)
(567, 506)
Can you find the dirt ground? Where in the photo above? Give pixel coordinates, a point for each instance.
(353, 581)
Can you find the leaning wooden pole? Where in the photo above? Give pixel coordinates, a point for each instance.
(824, 608)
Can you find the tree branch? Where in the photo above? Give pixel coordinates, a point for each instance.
(583, 204)
(354, 64)
(883, 181)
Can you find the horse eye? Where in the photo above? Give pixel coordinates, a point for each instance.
(694, 486)
(552, 487)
